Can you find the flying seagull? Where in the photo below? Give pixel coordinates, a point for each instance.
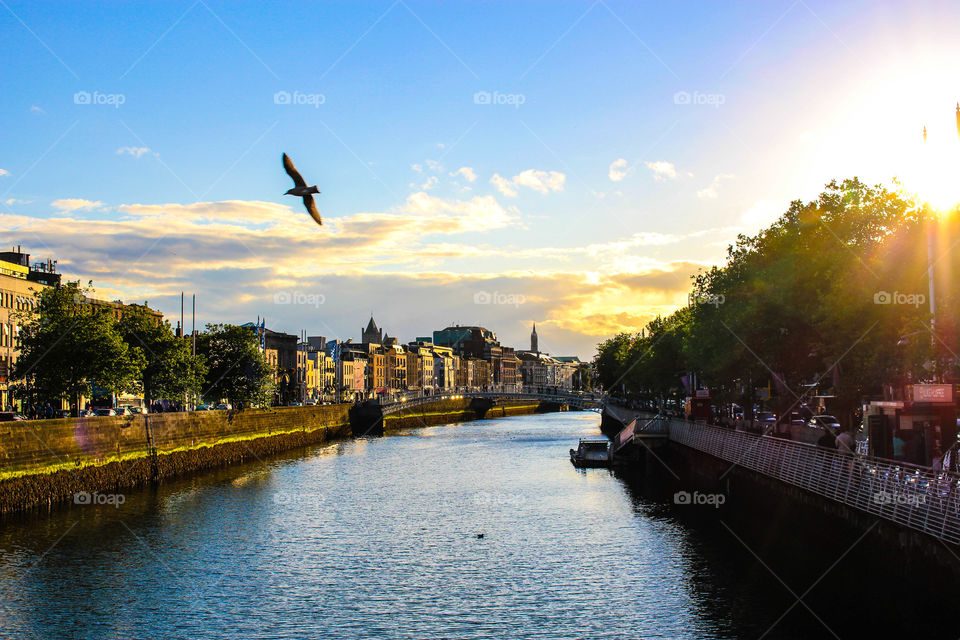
(302, 189)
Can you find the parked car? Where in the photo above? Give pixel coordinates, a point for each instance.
(295, 404)
(225, 406)
(824, 422)
(138, 411)
(64, 413)
(9, 416)
(123, 411)
(104, 412)
(310, 403)
(204, 407)
(765, 418)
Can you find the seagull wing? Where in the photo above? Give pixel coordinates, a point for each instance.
(292, 171)
(311, 207)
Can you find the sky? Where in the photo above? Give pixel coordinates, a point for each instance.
(498, 163)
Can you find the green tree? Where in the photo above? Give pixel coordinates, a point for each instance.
(170, 370)
(236, 367)
(800, 306)
(66, 346)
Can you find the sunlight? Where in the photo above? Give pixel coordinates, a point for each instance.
(931, 172)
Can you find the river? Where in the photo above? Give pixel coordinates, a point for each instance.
(378, 538)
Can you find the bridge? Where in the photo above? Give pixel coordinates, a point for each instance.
(586, 402)
(913, 497)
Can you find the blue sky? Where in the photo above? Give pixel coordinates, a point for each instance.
(632, 142)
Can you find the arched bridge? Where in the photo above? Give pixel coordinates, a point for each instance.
(587, 402)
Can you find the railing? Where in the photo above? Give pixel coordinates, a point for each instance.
(912, 496)
(587, 401)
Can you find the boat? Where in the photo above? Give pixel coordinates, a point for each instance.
(591, 452)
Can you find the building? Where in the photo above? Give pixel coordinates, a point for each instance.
(534, 340)
(509, 365)
(395, 369)
(468, 341)
(17, 290)
(444, 369)
(287, 365)
(371, 334)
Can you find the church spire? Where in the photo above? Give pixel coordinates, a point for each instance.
(534, 343)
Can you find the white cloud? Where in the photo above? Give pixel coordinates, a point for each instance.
(466, 172)
(711, 191)
(136, 152)
(10, 201)
(617, 170)
(540, 181)
(4, 172)
(662, 170)
(503, 185)
(75, 204)
(431, 182)
(238, 254)
(417, 167)
(36, 109)
(762, 213)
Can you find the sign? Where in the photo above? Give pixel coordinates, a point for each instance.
(932, 393)
(626, 433)
(703, 393)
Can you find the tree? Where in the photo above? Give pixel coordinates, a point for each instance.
(807, 304)
(67, 346)
(236, 367)
(170, 370)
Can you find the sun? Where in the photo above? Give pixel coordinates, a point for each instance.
(932, 171)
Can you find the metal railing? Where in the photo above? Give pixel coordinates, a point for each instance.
(589, 402)
(912, 496)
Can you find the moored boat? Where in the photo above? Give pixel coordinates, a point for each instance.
(591, 452)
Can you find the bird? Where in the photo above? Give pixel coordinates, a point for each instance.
(479, 536)
(301, 189)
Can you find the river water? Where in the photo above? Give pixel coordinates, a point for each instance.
(378, 538)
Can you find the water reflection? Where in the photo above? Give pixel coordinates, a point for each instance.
(377, 538)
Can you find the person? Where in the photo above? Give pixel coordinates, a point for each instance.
(937, 465)
(845, 443)
(899, 445)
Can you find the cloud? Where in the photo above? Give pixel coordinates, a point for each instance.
(617, 173)
(431, 182)
(36, 109)
(711, 191)
(420, 263)
(467, 173)
(10, 201)
(762, 213)
(662, 170)
(503, 185)
(136, 152)
(540, 181)
(4, 172)
(75, 204)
